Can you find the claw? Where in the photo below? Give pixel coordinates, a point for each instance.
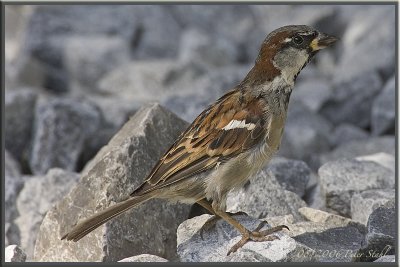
(258, 236)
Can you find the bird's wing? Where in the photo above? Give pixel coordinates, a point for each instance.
(232, 125)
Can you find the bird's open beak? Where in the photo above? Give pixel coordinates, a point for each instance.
(322, 41)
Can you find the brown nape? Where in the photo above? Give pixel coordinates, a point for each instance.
(264, 69)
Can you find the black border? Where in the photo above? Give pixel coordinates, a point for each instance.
(4, 3)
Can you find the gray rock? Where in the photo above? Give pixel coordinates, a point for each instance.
(330, 235)
(358, 148)
(305, 134)
(197, 46)
(19, 113)
(351, 102)
(312, 92)
(89, 57)
(263, 197)
(120, 167)
(384, 159)
(383, 112)
(219, 239)
(14, 253)
(14, 182)
(51, 187)
(144, 258)
(382, 232)
(386, 258)
(356, 42)
(338, 244)
(191, 97)
(364, 203)
(61, 128)
(345, 133)
(46, 41)
(341, 179)
(292, 175)
(130, 86)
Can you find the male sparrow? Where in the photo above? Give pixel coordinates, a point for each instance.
(230, 141)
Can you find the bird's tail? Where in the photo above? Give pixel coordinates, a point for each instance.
(97, 219)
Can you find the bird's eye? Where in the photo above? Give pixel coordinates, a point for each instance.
(298, 40)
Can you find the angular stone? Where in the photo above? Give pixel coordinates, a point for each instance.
(263, 197)
(14, 182)
(120, 167)
(14, 253)
(88, 58)
(382, 232)
(61, 128)
(52, 187)
(337, 244)
(319, 216)
(144, 258)
(351, 101)
(364, 203)
(341, 179)
(19, 113)
(357, 42)
(384, 159)
(386, 258)
(358, 148)
(345, 133)
(306, 133)
(383, 112)
(312, 92)
(220, 238)
(292, 175)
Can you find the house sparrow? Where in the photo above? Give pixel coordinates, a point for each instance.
(230, 141)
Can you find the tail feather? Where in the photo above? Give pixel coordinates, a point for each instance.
(97, 219)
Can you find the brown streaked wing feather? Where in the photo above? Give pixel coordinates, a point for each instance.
(205, 142)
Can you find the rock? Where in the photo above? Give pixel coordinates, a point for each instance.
(386, 258)
(61, 128)
(89, 57)
(356, 42)
(219, 239)
(46, 41)
(337, 244)
(345, 133)
(312, 92)
(358, 148)
(292, 175)
(341, 179)
(382, 231)
(193, 96)
(19, 113)
(197, 46)
(144, 258)
(384, 159)
(364, 203)
(11, 233)
(333, 237)
(14, 182)
(14, 253)
(263, 197)
(383, 112)
(51, 187)
(120, 167)
(130, 86)
(351, 102)
(323, 217)
(305, 134)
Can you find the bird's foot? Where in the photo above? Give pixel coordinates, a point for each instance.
(258, 236)
(210, 223)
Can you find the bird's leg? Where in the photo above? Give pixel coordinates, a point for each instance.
(212, 221)
(247, 235)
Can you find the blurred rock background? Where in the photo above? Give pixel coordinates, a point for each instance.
(76, 74)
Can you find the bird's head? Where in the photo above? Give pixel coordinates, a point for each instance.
(288, 49)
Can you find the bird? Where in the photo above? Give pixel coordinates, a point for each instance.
(231, 140)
